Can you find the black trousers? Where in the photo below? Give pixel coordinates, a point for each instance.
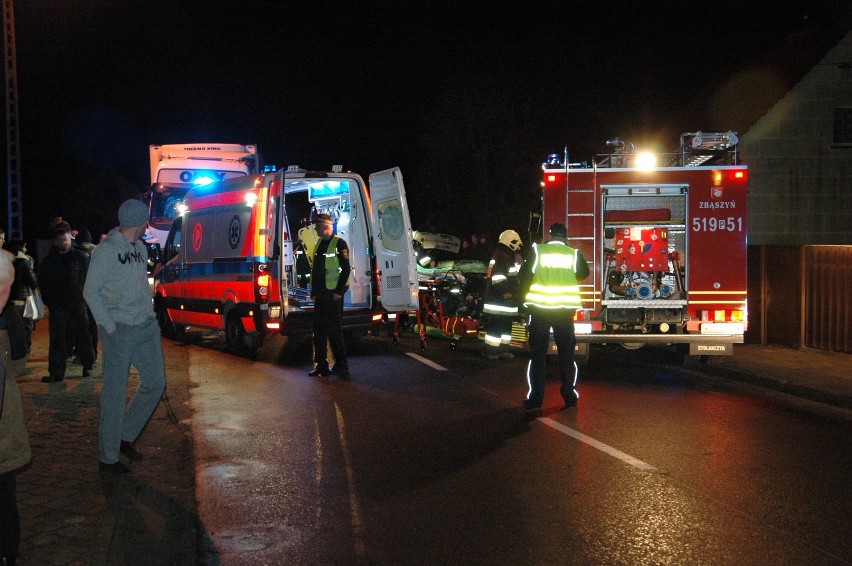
(562, 323)
(29, 325)
(63, 319)
(10, 520)
(327, 329)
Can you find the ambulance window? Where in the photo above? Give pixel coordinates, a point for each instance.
(173, 241)
(391, 225)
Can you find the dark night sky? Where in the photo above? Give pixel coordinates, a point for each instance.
(370, 85)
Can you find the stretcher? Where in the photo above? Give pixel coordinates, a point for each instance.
(444, 309)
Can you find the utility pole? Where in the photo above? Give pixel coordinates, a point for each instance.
(13, 160)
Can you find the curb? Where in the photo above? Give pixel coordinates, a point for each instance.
(809, 393)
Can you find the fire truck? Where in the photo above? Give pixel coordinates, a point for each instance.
(665, 238)
(238, 256)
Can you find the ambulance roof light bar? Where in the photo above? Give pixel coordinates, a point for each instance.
(203, 180)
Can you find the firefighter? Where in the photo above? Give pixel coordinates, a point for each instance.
(501, 295)
(552, 295)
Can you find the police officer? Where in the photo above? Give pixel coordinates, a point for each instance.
(551, 277)
(501, 295)
(329, 282)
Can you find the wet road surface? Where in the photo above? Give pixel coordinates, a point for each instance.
(425, 457)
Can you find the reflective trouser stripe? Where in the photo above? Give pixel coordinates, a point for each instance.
(498, 309)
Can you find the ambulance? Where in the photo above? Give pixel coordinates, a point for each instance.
(238, 258)
(665, 236)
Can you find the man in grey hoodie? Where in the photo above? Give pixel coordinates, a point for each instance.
(119, 297)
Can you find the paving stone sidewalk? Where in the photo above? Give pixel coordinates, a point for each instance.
(73, 515)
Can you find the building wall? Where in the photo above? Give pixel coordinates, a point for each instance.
(798, 297)
(800, 182)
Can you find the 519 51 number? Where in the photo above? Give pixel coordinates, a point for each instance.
(711, 224)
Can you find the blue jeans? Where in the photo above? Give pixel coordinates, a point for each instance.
(138, 345)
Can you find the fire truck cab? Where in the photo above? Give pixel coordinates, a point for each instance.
(238, 258)
(665, 238)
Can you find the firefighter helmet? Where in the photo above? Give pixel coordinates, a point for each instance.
(511, 239)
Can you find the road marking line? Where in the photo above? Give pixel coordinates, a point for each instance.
(599, 445)
(429, 363)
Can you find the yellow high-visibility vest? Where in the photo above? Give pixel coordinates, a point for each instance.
(554, 280)
(332, 265)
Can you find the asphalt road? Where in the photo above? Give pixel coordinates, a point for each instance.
(425, 457)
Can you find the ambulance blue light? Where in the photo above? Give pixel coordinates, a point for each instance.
(203, 181)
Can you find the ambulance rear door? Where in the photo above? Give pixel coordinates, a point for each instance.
(392, 241)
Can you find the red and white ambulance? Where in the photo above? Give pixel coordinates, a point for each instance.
(665, 238)
(238, 257)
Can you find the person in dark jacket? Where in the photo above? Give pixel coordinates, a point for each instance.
(329, 282)
(62, 275)
(25, 282)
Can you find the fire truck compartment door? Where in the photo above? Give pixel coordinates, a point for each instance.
(392, 240)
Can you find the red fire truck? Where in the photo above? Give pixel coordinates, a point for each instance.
(665, 238)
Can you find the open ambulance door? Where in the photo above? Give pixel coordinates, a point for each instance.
(392, 242)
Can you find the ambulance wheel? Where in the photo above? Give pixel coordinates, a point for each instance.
(235, 336)
(167, 327)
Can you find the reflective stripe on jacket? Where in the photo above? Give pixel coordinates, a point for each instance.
(554, 279)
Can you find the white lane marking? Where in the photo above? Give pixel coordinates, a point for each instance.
(635, 462)
(429, 363)
(599, 445)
